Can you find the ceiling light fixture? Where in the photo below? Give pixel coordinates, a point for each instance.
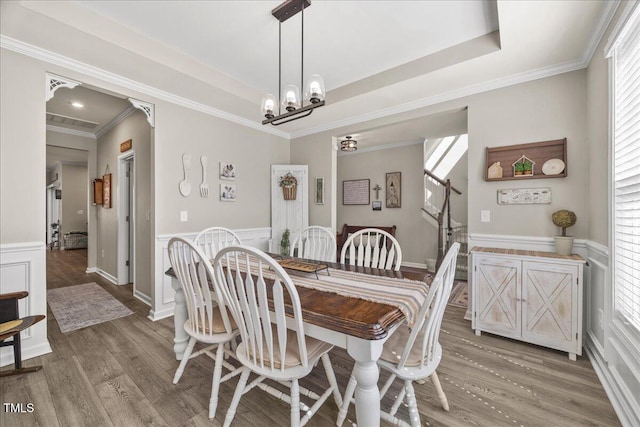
(77, 104)
(290, 100)
(348, 144)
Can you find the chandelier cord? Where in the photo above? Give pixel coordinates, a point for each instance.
(302, 58)
(279, 67)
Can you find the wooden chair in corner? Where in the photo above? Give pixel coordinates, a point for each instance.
(10, 327)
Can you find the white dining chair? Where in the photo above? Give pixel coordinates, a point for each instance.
(206, 323)
(212, 239)
(315, 242)
(413, 354)
(273, 344)
(372, 247)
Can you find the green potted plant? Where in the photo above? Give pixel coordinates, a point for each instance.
(527, 167)
(285, 243)
(518, 169)
(564, 219)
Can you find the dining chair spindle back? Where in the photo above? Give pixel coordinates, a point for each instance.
(372, 247)
(212, 239)
(266, 308)
(413, 354)
(206, 322)
(315, 242)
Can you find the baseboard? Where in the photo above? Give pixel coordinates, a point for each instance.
(414, 265)
(626, 414)
(27, 353)
(142, 297)
(90, 270)
(158, 315)
(107, 276)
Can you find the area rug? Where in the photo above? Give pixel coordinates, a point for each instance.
(459, 297)
(79, 306)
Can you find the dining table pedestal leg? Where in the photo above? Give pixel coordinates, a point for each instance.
(181, 338)
(367, 395)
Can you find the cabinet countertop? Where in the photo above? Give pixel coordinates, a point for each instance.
(552, 255)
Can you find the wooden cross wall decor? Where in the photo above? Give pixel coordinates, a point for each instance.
(377, 189)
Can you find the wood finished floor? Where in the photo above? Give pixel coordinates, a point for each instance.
(120, 373)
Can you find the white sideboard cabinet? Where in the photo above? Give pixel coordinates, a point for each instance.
(530, 296)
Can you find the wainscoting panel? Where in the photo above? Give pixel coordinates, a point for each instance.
(22, 268)
(162, 302)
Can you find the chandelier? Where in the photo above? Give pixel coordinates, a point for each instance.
(290, 100)
(348, 144)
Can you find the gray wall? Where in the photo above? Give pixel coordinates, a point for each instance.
(136, 128)
(541, 110)
(74, 198)
(418, 238)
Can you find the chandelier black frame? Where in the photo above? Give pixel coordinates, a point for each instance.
(283, 12)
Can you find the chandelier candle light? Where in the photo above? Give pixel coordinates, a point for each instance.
(290, 99)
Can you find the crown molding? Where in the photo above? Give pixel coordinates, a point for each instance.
(380, 147)
(113, 78)
(607, 15)
(59, 129)
(114, 122)
(499, 83)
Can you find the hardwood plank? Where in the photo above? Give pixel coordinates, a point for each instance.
(73, 395)
(120, 373)
(126, 404)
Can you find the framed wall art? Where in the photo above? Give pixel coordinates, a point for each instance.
(376, 205)
(106, 191)
(227, 171)
(319, 191)
(355, 192)
(227, 192)
(393, 189)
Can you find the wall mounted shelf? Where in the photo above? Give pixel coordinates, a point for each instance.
(538, 152)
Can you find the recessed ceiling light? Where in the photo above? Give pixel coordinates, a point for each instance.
(77, 104)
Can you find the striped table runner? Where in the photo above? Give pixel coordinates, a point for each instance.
(407, 295)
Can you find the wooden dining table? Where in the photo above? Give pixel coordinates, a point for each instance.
(357, 325)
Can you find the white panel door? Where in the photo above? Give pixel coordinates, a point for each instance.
(291, 214)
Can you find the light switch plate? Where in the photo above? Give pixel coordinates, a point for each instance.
(485, 216)
(184, 216)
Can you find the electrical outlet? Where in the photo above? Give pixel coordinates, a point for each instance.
(80, 212)
(485, 216)
(184, 216)
(103, 253)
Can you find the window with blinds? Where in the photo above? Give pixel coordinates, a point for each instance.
(626, 171)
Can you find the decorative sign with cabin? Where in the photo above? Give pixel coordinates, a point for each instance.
(523, 166)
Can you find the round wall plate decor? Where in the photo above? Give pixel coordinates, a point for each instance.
(553, 167)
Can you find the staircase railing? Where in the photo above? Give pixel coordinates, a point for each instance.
(439, 207)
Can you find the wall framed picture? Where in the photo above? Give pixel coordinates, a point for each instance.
(393, 189)
(355, 192)
(227, 171)
(106, 191)
(227, 193)
(376, 205)
(319, 191)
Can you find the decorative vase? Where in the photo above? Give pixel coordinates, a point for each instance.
(564, 245)
(289, 192)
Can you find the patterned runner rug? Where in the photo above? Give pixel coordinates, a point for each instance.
(79, 306)
(459, 297)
